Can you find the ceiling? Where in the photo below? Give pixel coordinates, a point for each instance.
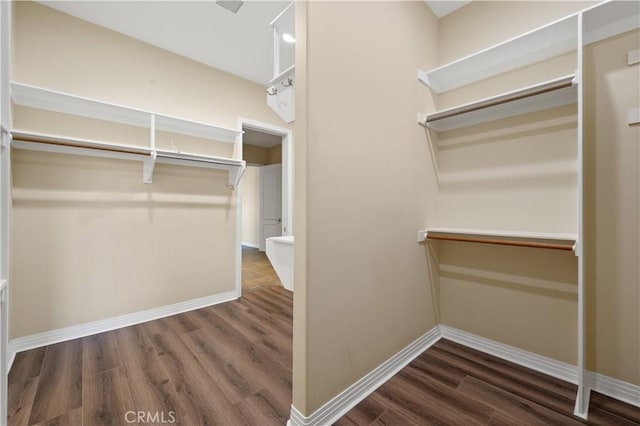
(256, 138)
(241, 44)
(442, 8)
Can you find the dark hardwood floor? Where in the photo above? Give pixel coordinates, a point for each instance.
(450, 384)
(228, 364)
(257, 271)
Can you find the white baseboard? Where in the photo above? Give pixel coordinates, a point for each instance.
(616, 389)
(74, 332)
(342, 403)
(549, 366)
(350, 397)
(256, 246)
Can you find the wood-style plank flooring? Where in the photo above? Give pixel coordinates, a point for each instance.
(228, 364)
(257, 271)
(450, 384)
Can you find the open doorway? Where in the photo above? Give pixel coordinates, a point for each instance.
(265, 201)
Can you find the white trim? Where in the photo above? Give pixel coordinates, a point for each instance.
(552, 367)
(287, 185)
(600, 383)
(252, 245)
(614, 388)
(350, 397)
(74, 332)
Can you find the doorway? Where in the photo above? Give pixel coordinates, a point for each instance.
(264, 201)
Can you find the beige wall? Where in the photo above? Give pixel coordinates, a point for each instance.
(613, 208)
(362, 274)
(250, 206)
(89, 239)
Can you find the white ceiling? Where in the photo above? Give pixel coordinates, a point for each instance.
(241, 44)
(444, 7)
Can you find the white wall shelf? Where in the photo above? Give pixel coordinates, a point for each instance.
(601, 21)
(51, 100)
(543, 43)
(57, 144)
(549, 94)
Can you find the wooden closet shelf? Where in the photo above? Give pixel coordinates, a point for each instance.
(518, 239)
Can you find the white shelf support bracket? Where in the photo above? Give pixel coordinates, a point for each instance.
(577, 248)
(633, 116)
(423, 78)
(149, 164)
(576, 79)
(422, 236)
(235, 175)
(5, 137)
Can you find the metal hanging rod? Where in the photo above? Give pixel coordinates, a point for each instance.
(77, 143)
(56, 141)
(527, 92)
(501, 241)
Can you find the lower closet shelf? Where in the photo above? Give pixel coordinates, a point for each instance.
(509, 238)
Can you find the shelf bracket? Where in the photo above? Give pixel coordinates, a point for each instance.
(5, 135)
(148, 165)
(235, 176)
(423, 78)
(422, 236)
(577, 248)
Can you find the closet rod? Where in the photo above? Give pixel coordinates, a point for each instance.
(558, 84)
(73, 143)
(503, 242)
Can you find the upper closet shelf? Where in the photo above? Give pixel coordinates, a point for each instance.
(37, 97)
(149, 156)
(546, 42)
(549, 94)
(601, 21)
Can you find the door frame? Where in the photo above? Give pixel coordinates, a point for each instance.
(261, 206)
(287, 185)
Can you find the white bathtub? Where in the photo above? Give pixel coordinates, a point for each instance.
(280, 254)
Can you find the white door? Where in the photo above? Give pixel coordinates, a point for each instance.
(270, 203)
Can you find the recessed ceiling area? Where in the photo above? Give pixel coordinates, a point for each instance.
(256, 138)
(442, 8)
(240, 43)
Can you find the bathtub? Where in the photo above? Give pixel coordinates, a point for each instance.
(280, 254)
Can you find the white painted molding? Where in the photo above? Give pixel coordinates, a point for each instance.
(552, 367)
(605, 385)
(74, 332)
(252, 245)
(617, 389)
(350, 397)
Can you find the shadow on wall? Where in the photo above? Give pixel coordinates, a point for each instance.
(42, 180)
